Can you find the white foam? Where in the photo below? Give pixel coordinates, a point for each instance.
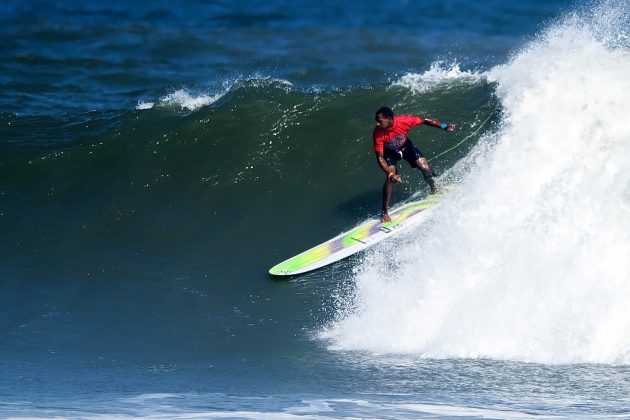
(142, 105)
(185, 100)
(264, 81)
(191, 101)
(440, 73)
(530, 259)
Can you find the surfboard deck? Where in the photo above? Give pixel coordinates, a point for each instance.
(361, 237)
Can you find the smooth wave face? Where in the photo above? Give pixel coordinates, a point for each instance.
(114, 174)
(529, 260)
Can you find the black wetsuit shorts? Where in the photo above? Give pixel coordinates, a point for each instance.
(409, 152)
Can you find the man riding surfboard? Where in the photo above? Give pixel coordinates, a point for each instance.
(392, 144)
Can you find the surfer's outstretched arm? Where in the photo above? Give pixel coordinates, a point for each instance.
(432, 122)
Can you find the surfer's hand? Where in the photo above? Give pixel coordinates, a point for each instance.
(451, 127)
(394, 178)
(385, 217)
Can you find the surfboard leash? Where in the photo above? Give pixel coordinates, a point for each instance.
(464, 139)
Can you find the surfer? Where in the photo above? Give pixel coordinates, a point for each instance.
(391, 144)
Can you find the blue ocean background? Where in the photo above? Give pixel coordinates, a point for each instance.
(157, 158)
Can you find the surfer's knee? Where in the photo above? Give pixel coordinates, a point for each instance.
(425, 168)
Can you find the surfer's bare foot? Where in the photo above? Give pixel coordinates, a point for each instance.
(438, 189)
(385, 218)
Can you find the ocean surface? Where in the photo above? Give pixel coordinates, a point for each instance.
(157, 158)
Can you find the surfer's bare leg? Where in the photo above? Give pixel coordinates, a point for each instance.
(388, 187)
(428, 174)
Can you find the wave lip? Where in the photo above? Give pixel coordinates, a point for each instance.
(183, 99)
(187, 100)
(438, 74)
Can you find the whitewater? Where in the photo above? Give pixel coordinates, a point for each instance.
(530, 259)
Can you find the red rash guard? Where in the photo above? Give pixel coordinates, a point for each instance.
(395, 137)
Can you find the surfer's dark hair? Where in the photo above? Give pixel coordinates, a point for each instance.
(385, 112)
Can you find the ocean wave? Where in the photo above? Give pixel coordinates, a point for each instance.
(528, 260)
(185, 99)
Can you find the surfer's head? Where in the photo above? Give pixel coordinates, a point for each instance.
(384, 118)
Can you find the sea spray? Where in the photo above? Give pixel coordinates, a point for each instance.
(529, 260)
(441, 74)
(186, 100)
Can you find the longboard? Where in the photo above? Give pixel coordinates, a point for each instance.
(363, 236)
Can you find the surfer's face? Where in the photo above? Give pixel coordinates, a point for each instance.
(384, 122)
